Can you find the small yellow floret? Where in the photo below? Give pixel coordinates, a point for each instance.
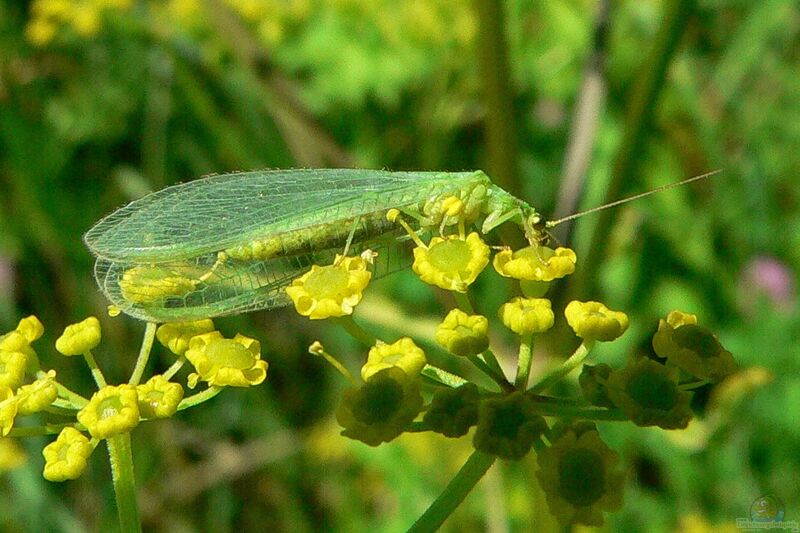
(463, 334)
(535, 263)
(451, 263)
(403, 354)
(225, 362)
(593, 321)
(65, 458)
(332, 290)
(111, 411)
(8, 410)
(176, 335)
(525, 316)
(38, 395)
(79, 338)
(31, 328)
(159, 397)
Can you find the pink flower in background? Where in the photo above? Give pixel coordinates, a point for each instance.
(768, 277)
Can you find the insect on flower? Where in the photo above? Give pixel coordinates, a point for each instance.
(232, 243)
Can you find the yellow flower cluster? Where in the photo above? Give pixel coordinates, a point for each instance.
(83, 17)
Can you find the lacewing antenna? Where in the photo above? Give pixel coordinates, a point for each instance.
(554, 223)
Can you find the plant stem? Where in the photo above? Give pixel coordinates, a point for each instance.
(199, 398)
(442, 376)
(97, 374)
(554, 408)
(119, 453)
(524, 361)
(566, 367)
(455, 492)
(144, 353)
(498, 377)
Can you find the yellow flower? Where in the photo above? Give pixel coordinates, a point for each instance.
(692, 348)
(593, 321)
(11, 454)
(12, 368)
(403, 354)
(525, 316)
(648, 392)
(463, 334)
(31, 328)
(65, 458)
(380, 409)
(40, 31)
(332, 290)
(8, 410)
(148, 284)
(579, 477)
(111, 411)
(226, 362)
(86, 20)
(159, 398)
(535, 263)
(38, 395)
(451, 263)
(79, 338)
(176, 335)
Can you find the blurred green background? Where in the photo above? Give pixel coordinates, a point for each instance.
(104, 100)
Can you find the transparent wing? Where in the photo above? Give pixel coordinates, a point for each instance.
(235, 287)
(188, 220)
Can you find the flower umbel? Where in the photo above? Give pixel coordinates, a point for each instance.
(65, 458)
(580, 479)
(176, 335)
(112, 410)
(331, 290)
(79, 338)
(403, 354)
(525, 316)
(692, 348)
(508, 426)
(648, 392)
(535, 263)
(226, 362)
(463, 334)
(159, 398)
(380, 410)
(451, 263)
(593, 321)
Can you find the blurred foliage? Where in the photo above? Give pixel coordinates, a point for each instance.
(103, 100)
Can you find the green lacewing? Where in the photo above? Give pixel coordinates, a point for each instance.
(231, 243)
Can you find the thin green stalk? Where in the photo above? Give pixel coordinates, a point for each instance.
(524, 361)
(38, 431)
(72, 397)
(566, 367)
(97, 374)
(554, 408)
(498, 377)
(199, 398)
(463, 303)
(175, 367)
(119, 453)
(442, 376)
(455, 492)
(144, 353)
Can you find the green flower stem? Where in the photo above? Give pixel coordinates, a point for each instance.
(356, 331)
(59, 410)
(144, 353)
(200, 397)
(463, 303)
(97, 374)
(175, 367)
(499, 378)
(38, 431)
(553, 408)
(524, 361)
(442, 376)
(491, 360)
(566, 367)
(72, 397)
(455, 492)
(119, 453)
